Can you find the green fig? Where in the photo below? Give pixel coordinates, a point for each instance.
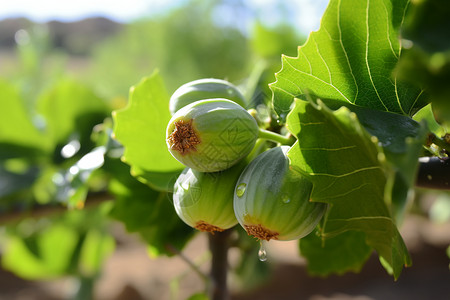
(211, 135)
(271, 201)
(202, 89)
(204, 201)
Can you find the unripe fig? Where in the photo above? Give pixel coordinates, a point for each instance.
(211, 135)
(205, 200)
(202, 89)
(271, 201)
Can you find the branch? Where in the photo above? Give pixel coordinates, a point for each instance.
(41, 211)
(434, 173)
(183, 257)
(218, 245)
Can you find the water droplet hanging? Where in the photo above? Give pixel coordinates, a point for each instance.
(262, 254)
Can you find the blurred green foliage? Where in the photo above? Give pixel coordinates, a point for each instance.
(186, 44)
(56, 147)
(426, 59)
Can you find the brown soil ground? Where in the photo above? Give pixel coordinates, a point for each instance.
(130, 274)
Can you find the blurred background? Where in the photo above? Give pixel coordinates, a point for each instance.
(111, 46)
(89, 53)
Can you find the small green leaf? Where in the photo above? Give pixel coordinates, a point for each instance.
(146, 211)
(141, 128)
(426, 114)
(159, 181)
(11, 182)
(50, 257)
(70, 108)
(155, 220)
(18, 134)
(75, 186)
(342, 253)
(351, 58)
(349, 171)
(199, 296)
(74, 243)
(96, 247)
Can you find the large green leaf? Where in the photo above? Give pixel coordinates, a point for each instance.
(351, 58)
(402, 140)
(344, 252)
(141, 128)
(349, 170)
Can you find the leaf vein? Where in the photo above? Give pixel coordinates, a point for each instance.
(307, 60)
(343, 194)
(346, 174)
(324, 62)
(367, 56)
(415, 101)
(330, 149)
(319, 79)
(387, 31)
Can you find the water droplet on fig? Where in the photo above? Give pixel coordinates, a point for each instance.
(285, 199)
(185, 186)
(240, 190)
(281, 119)
(262, 254)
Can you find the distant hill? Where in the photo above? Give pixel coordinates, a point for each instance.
(73, 37)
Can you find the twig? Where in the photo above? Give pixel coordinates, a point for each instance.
(42, 211)
(434, 173)
(218, 245)
(440, 142)
(193, 266)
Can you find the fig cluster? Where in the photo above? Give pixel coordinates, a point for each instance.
(229, 178)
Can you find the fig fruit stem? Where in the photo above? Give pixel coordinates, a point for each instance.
(275, 137)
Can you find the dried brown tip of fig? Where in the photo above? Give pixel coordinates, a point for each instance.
(260, 232)
(203, 226)
(183, 138)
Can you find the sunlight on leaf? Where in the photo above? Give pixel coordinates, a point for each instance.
(141, 128)
(351, 58)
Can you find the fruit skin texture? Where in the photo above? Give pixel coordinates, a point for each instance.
(205, 200)
(203, 89)
(275, 202)
(211, 135)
